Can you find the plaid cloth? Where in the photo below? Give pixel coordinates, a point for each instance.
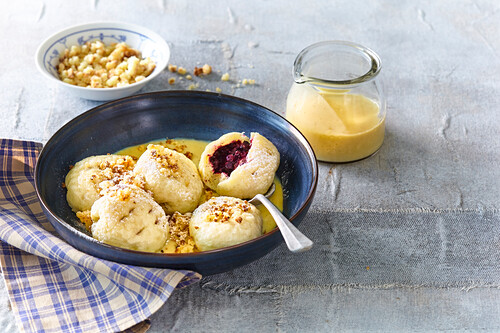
(52, 286)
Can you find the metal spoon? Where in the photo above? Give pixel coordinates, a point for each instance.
(294, 239)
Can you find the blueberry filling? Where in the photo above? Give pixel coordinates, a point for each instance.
(227, 158)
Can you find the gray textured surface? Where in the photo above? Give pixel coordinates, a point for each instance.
(321, 309)
(407, 240)
(381, 249)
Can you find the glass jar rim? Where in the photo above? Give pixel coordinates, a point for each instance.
(375, 65)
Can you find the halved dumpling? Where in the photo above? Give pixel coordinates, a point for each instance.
(238, 166)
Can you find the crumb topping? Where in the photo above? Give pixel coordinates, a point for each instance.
(179, 232)
(85, 218)
(221, 210)
(207, 69)
(97, 65)
(165, 159)
(180, 148)
(115, 172)
(120, 191)
(198, 71)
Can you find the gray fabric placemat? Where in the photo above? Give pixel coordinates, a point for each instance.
(382, 249)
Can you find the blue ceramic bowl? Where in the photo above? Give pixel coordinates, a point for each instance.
(173, 114)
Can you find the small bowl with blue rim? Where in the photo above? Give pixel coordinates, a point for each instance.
(148, 42)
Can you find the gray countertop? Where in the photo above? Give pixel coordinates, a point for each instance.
(406, 240)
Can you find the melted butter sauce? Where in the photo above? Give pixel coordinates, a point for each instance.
(193, 149)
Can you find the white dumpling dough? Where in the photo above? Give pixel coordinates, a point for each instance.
(171, 177)
(127, 216)
(224, 221)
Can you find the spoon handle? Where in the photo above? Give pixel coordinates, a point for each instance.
(294, 239)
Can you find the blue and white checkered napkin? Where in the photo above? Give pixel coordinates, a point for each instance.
(52, 286)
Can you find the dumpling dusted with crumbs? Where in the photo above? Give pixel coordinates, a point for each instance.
(224, 221)
(238, 166)
(82, 181)
(127, 216)
(171, 177)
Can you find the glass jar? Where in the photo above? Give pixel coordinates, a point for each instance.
(337, 102)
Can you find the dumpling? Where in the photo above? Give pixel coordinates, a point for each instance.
(171, 177)
(82, 181)
(224, 221)
(238, 166)
(128, 217)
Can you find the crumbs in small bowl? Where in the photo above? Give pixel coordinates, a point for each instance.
(96, 65)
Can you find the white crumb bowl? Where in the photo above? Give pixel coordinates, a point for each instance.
(149, 43)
